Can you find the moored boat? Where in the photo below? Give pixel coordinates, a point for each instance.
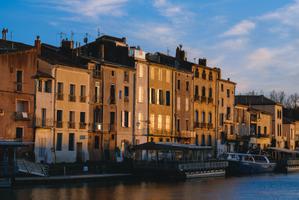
(240, 164)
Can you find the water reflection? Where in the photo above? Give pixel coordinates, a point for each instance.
(255, 187)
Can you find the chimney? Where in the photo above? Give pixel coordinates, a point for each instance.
(37, 45)
(102, 52)
(67, 44)
(202, 61)
(180, 54)
(4, 32)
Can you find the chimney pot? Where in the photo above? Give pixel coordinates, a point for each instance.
(37, 45)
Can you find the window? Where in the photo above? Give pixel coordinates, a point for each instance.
(221, 119)
(19, 133)
(167, 122)
(222, 88)
(22, 106)
(44, 115)
(152, 121)
(140, 94)
(59, 118)
(72, 96)
(160, 71)
(203, 91)
(126, 76)
(126, 91)
(196, 73)
(159, 122)
(48, 86)
(187, 86)
(196, 116)
(140, 121)
(187, 125)
(265, 130)
(204, 75)
(210, 93)
(168, 76)
(60, 88)
(140, 70)
(152, 71)
(196, 92)
(168, 98)
(71, 119)
(152, 96)
(161, 98)
(210, 76)
(259, 130)
(112, 94)
(178, 125)
(179, 84)
(203, 117)
(96, 142)
(178, 103)
(125, 119)
(82, 117)
(40, 85)
(222, 102)
(71, 142)
(228, 93)
(187, 104)
(59, 142)
(112, 73)
(228, 114)
(83, 91)
(97, 92)
(19, 80)
(210, 118)
(203, 140)
(209, 140)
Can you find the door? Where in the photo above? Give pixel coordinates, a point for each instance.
(79, 152)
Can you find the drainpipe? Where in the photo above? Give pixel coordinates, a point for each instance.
(217, 116)
(133, 113)
(148, 90)
(54, 111)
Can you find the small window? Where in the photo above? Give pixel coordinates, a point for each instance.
(228, 93)
(179, 84)
(48, 86)
(96, 142)
(40, 86)
(187, 86)
(168, 98)
(126, 91)
(19, 133)
(222, 88)
(112, 73)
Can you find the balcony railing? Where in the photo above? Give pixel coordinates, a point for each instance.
(97, 73)
(196, 125)
(59, 124)
(210, 125)
(72, 98)
(203, 99)
(60, 96)
(44, 123)
(186, 134)
(210, 100)
(22, 116)
(196, 98)
(82, 125)
(71, 124)
(82, 99)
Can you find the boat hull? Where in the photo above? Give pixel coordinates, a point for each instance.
(242, 168)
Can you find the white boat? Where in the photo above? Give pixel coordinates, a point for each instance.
(239, 163)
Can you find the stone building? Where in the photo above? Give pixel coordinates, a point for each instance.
(18, 65)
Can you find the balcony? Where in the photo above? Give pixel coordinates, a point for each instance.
(210, 100)
(112, 100)
(204, 99)
(98, 99)
(196, 98)
(60, 96)
(59, 124)
(22, 116)
(210, 126)
(203, 125)
(82, 99)
(72, 98)
(82, 125)
(97, 73)
(96, 127)
(19, 86)
(44, 123)
(186, 134)
(71, 125)
(126, 99)
(112, 127)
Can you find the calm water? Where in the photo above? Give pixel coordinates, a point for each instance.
(254, 187)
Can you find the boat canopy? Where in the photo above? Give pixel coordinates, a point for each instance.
(170, 146)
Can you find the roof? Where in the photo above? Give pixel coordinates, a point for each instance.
(288, 120)
(170, 146)
(258, 111)
(56, 55)
(7, 46)
(112, 38)
(40, 74)
(291, 113)
(254, 100)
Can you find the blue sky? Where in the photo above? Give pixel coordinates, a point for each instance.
(256, 42)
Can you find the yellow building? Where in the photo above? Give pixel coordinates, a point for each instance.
(289, 129)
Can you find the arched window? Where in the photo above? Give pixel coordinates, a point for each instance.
(209, 140)
(203, 140)
(196, 91)
(203, 117)
(196, 73)
(203, 91)
(196, 116)
(210, 93)
(210, 76)
(204, 75)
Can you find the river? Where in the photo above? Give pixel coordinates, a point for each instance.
(275, 186)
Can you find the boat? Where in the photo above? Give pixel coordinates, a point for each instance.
(241, 163)
(171, 160)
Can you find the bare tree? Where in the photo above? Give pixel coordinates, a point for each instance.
(279, 96)
(292, 101)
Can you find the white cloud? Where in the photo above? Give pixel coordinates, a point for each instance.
(234, 44)
(242, 28)
(261, 58)
(85, 8)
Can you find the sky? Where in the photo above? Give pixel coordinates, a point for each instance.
(254, 42)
